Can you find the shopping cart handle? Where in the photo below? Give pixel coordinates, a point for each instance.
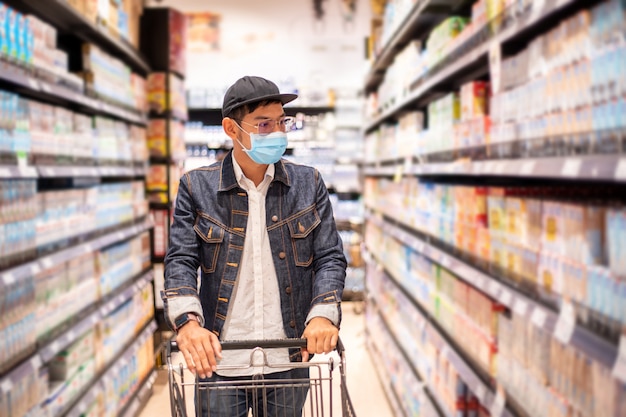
(263, 344)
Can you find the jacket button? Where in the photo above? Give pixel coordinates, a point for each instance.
(288, 290)
(274, 218)
(282, 255)
(292, 324)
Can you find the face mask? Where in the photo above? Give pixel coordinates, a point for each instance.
(266, 149)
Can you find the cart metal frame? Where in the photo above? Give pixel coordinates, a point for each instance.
(319, 384)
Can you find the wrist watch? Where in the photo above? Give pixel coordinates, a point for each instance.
(184, 319)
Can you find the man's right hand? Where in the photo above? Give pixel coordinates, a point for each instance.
(200, 348)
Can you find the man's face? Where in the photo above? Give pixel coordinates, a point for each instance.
(262, 114)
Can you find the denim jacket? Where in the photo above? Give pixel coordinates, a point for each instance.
(208, 231)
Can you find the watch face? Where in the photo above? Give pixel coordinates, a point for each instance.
(181, 320)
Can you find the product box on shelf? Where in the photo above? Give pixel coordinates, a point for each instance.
(166, 92)
(4, 40)
(163, 31)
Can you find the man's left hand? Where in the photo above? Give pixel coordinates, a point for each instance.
(321, 335)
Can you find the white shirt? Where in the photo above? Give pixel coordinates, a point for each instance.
(254, 310)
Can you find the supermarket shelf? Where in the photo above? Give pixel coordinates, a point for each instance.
(431, 394)
(596, 348)
(69, 171)
(52, 348)
(579, 167)
(37, 88)
(383, 376)
(78, 407)
(85, 171)
(474, 382)
(141, 397)
(68, 21)
(47, 353)
(425, 15)
(519, 28)
(9, 276)
(12, 172)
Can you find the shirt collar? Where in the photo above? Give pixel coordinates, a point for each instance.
(239, 175)
(228, 179)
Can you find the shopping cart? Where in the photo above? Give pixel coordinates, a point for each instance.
(186, 396)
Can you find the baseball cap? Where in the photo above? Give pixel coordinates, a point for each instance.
(250, 89)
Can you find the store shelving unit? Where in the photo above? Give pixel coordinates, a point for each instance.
(603, 168)
(27, 368)
(163, 42)
(418, 22)
(70, 22)
(563, 160)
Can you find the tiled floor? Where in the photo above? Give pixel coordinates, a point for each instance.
(364, 388)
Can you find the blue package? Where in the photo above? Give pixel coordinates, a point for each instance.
(11, 23)
(4, 42)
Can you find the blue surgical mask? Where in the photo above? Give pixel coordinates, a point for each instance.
(266, 149)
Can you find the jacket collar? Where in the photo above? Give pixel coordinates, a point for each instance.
(228, 180)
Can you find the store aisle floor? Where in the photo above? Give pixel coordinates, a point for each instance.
(363, 384)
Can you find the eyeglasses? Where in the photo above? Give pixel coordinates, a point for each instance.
(268, 126)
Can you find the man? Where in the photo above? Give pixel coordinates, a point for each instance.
(261, 230)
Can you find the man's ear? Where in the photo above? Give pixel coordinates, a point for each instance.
(230, 128)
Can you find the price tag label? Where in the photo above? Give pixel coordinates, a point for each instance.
(620, 170)
(566, 323)
(5, 172)
(506, 297)
(495, 66)
(35, 362)
(497, 407)
(35, 269)
(500, 168)
(419, 246)
(538, 6)
(445, 262)
(45, 87)
(571, 167)
(619, 369)
(8, 278)
(408, 164)
(32, 83)
(520, 307)
(47, 262)
(493, 288)
(527, 168)
(539, 317)
(7, 385)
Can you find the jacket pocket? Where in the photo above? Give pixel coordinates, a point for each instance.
(300, 228)
(211, 238)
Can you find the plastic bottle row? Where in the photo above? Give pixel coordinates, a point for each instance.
(548, 239)
(51, 135)
(33, 221)
(525, 359)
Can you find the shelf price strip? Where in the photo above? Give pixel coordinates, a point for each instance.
(619, 369)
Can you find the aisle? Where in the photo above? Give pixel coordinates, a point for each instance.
(365, 389)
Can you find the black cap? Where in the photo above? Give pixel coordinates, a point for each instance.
(250, 89)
